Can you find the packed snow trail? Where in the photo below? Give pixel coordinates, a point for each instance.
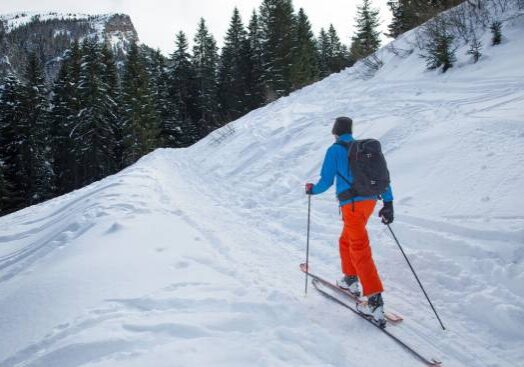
(190, 256)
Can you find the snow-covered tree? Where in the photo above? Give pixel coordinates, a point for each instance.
(438, 47)
(65, 106)
(496, 32)
(234, 69)
(475, 49)
(115, 115)
(14, 146)
(255, 80)
(6, 190)
(367, 37)
(182, 91)
(324, 53)
(339, 58)
(158, 74)
(304, 69)
(93, 130)
(406, 16)
(141, 125)
(35, 119)
(277, 30)
(205, 62)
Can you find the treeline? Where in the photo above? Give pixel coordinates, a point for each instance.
(97, 118)
(408, 14)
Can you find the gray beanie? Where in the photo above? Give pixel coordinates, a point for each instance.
(343, 125)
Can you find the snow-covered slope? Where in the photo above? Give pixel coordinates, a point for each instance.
(190, 257)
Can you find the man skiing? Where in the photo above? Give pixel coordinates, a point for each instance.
(355, 251)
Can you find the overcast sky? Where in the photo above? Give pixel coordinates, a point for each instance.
(157, 21)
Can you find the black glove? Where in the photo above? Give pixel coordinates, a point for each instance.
(386, 213)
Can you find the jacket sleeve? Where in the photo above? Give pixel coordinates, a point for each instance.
(387, 195)
(327, 174)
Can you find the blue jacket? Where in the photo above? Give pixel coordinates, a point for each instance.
(336, 163)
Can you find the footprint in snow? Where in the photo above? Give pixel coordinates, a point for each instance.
(181, 264)
(115, 227)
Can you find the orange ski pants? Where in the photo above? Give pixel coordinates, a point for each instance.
(355, 252)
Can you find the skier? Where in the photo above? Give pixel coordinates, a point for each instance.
(355, 250)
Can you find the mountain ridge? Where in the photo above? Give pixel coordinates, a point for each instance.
(50, 34)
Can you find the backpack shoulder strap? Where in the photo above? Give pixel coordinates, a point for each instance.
(347, 146)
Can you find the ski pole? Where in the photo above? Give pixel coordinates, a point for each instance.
(416, 277)
(307, 239)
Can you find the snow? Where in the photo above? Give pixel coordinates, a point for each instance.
(190, 256)
(17, 20)
(61, 32)
(98, 23)
(117, 39)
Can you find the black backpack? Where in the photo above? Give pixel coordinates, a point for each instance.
(369, 169)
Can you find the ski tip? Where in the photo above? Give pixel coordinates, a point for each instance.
(394, 318)
(435, 362)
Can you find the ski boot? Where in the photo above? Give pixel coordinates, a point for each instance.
(374, 308)
(350, 283)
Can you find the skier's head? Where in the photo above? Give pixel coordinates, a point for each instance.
(342, 125)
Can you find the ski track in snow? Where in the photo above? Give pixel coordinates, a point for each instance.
(190, 256)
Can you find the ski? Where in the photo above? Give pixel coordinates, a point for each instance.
(428, 362)
(391, 317)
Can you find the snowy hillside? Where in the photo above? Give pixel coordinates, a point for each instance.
(190, 257)
(54, 33)
(13, 21)
(97, 23)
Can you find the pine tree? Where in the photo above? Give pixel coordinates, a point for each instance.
(255, 82)
(182, 92)
(339, 58)
(234, 69)
(367, 38)
(475, 49)
(92, 132)
(324, 54)
(65, 107)
(277, 31)
(34, 117)
(406, 16)
(496, 32)
(333, 55)
(14, 146)
(158, 74)
(439, 47)
(305, 68)
(114, 116)
(141, 125)
(61, 142)
(5, 190)
(205, 62)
